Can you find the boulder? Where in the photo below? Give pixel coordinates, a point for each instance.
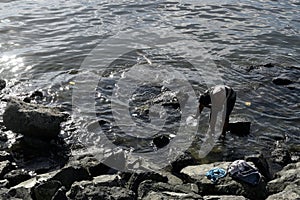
(51, 182)
(289, 175)
(32, 120)
(102, 187)
(224, 186)
(291, 192)
(158, 190)
(17, 176)
(281, 154)
(224, 197)
(2, 84)
(137, 178)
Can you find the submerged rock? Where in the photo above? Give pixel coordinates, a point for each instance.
(282, 80)
(239, 126)
(33, 120)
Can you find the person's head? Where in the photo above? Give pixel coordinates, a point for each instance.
(205, 99)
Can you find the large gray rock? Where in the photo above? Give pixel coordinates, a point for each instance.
(35, 188)
(289, 175)
(158, 190)
(291, 192)
(32, 120)
(224, 186)
(101, 187)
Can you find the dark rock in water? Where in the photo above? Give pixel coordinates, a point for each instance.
(2, 84)
(269, 65)
(282, 80)
(60, 194)
(37, 94)
(5, 156)
(17, 176)
(239, 127)
(161, 141)
(287, 182)
(261, 164)
(32, 119)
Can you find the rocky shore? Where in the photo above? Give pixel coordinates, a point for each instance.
(36, 164)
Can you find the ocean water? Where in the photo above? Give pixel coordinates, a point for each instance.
(104, 61)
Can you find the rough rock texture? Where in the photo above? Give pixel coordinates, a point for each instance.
(32, 120)
(158, 190)
(224, 197)
(101, 187)
(225, 186)
(291, 192)
(289, 175)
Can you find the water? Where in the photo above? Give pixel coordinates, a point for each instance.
(44, 44)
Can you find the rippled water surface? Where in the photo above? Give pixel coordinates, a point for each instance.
(50, 45)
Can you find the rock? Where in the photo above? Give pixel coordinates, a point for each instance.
(2, 84)
(282, 80)
(281, 154)
(5, 156)
(60, 194)
(51, 182)
(33, 120)
(224, 197)
(239, 126)
(17, 176)
(90, 190)
(161, 141)
(182, 161)
(45, 191)
(291, 192)
(151, 190)
(137, 178)
(5, 167)
(261, 164)
(289, 175)
(224, 186)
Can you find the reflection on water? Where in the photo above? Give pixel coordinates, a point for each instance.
(42, 43)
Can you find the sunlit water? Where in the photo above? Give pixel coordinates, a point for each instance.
(43, 45)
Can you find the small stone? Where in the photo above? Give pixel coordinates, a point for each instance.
(161, 141)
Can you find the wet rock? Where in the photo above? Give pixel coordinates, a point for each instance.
(45, 191)
(282, 80)
(33, 120)
(137, 178)
(17, 176)
(4, 184)
(224, 197)
(239, 126)
(151, 190)
(224, 186)
(261, 164)
(2, 84)
(60, 194)
(4, 155)
(289, 175)
(291, 192)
